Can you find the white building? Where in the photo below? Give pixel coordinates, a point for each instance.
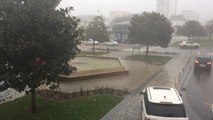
(167, 7)
(177, 20)
(190, 15)
(114, 14)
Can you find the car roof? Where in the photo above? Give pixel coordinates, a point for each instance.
(163, 95)
(203, 55)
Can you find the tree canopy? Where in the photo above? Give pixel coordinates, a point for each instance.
(209, 28)
(96, 30)
(191, 29)
(37, 40)
(150, 29)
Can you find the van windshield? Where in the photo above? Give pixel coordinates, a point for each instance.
(166, 110)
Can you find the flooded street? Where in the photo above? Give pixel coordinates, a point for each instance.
(138, 73)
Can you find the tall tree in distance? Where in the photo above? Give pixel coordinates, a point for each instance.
(150, 29)
(192, 29)
(209, 28)
(96, 30)
(37, 41)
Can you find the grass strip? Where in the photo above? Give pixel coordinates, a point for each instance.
(86, 108)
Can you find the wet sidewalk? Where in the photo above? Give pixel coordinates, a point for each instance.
(167, 75)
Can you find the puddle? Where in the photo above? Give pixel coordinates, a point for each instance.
(138, 73)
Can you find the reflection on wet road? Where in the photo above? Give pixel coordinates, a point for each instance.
(200, 93)
(138, 73)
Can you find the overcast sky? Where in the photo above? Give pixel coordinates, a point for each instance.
(90, 7)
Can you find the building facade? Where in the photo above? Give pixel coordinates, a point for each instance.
(167, 7)
(190, 15)
(119, 32)
(177, 20)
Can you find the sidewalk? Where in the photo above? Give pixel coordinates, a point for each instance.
(130, 107)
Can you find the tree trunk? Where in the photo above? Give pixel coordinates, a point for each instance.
(93, 47)
(33, 100)
(139, 49)
(147, 50)
(210, 36)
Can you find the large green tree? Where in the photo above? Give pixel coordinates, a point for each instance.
(37, 41)
(150, 29)
(209, 28)
(96, 30)
(192, 29)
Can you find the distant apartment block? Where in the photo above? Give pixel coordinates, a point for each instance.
(190, 15)
(177, 20)
(116, 14)
(167, 7)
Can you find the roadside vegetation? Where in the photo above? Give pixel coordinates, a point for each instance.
(151, 59)
(85, 108)
(202, 42)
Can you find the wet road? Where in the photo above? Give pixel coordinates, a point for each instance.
(199, 92)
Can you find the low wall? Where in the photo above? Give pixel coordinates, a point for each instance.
(58, 95)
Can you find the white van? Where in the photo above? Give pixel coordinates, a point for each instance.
(162, 103)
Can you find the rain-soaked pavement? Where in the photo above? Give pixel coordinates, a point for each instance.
(140, 75)
(130, 107)
(130, 80)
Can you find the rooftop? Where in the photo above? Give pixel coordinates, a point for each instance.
(164, 95)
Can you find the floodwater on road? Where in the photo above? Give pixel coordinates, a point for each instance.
(138, 73)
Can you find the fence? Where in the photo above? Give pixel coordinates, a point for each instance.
(180, 79)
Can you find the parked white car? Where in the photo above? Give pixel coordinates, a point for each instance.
(90, 42)
(111, 43)
(162, 103)
(188, 44)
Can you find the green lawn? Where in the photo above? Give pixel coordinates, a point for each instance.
(205, 43)
(152, 59)
(87, 108)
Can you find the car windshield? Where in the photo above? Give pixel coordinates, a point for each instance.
(203, 58)
(166, 110)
